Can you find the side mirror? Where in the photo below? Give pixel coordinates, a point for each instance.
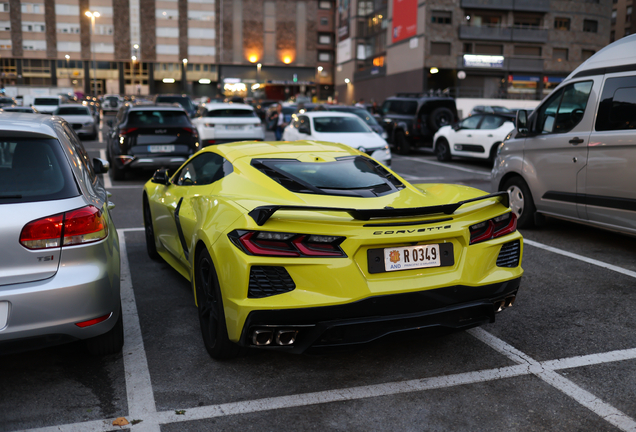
(161, 176)
(522, 122)
(100, 166)
(304, 130)
(457, 126)
(109, 123)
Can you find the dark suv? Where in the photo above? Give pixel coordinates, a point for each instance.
(150, 136)
(183, 100)
(411, 119)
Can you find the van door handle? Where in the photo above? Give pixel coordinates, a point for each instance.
(576, 140)
(469, 136)
(490, 136)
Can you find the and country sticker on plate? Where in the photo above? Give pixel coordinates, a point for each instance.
(411, 257)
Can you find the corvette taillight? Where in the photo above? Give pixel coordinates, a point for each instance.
(493, 228)
(84, 225)
(278, 244)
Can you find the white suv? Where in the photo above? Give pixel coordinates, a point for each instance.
(219, 123)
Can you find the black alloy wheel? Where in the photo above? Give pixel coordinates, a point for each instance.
(211, 315)
(442, 150)
(151, 245)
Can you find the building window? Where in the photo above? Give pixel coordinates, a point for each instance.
(32, 27)
(612, 36)
(324, 21)
(440, 48)
(628, 15)
(32, 8)
(5, 25)
(468, 48)
(628, 31)
(590, 26)
(562, 23)
(324, 5)
(527, 21)
(365, 7)
(560, 54)
(527, 51)
(613, 20)
(586, 54)
(324, 39)
(441, 17)
(324, 56)
(4, 7)
(378, 61)
(488, 49)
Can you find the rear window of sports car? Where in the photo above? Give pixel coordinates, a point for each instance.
(354, 176)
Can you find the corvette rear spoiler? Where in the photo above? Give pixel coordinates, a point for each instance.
(262, 214)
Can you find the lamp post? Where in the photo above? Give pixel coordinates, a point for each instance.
(320, 68)
(92, 16)
(134, 58)
(132, 66)
(183, 75)
(68, 71)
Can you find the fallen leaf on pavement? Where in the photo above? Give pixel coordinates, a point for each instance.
(120, 421)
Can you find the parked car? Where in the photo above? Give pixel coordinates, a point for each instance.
(307, 246)
(46, 104)
(411, 119)
(574, 156)
(6, 101)
(150, 136)
(477, 136)
(219, 123)
(80, 118)
(60, 267)
(111, 103)
(338, 127)
(365, 115)
(22, 109)
(183, 100)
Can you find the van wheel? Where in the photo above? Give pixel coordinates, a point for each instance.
(442, 150)
(401, 144)
(521, 201)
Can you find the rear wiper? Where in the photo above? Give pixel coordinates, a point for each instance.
(10, 196)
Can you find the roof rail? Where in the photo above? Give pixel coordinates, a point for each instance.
(410, 94)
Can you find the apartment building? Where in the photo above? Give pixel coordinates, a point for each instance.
(622, 21)
(203, 47)
(468, 48)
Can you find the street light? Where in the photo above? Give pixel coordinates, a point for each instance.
(183, 75)
(133, 58)
(92, 16)
(68, 71)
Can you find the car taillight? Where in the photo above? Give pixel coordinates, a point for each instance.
(84, 225)
(266, 243)
(126, 131)
(493, 228)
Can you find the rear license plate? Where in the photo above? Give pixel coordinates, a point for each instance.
(160, 148)
(234, 127)
(410, 257)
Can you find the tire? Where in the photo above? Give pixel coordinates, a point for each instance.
(151, 245)
(110, 342)
(440, 117)
(116, 173)
(442, 150)
(400, 143)
(211, 314)
(521, 201)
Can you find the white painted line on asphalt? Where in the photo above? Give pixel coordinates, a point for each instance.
(106, 178)
(445, 165)
(585, 398)
(141, 400)
(590, 359)
(125, 230)
(581, 258)
(127, 187)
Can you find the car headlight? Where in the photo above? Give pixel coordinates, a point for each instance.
(90, 123)
(384, 135)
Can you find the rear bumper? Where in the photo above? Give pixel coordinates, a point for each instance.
(335, 327)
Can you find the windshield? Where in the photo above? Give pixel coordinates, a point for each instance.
(72, 111)
(356, 176)
(231, 113)
(339, 125)
(46, 101)
(6, 100)
(158, 117)
(181, 100)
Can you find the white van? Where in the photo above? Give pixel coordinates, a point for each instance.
(573, 158)
(46, 104)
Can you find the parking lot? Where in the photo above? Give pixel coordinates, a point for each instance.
(563, 358)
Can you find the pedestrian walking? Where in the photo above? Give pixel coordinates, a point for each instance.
(278, 118)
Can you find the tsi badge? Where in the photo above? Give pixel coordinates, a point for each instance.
(45, 258)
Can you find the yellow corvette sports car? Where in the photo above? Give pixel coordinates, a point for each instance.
(310, 246)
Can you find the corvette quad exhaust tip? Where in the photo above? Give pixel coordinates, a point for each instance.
(274, 337)
(505, 303)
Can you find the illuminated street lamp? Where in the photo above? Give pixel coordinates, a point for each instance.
(92, 16)
(183, 75)
(68, 71)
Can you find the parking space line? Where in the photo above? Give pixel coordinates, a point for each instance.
(581, 258)
(141, 400)
(541, 370)
(445, 165)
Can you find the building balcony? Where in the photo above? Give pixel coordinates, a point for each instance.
(503, 34)
(517, 5)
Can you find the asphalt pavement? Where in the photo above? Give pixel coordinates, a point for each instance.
(563, 358)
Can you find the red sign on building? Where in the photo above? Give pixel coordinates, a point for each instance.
(404, 19)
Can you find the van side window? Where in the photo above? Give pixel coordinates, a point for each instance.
(617, 110)
(565, 109)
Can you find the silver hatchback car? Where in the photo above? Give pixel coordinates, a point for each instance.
(60, 266)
